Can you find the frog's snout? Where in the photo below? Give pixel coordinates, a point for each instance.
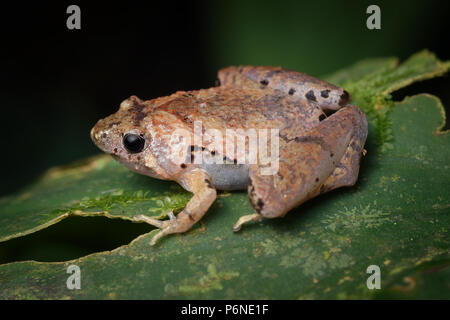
(92, 134)
(98, 137)
(95, 137)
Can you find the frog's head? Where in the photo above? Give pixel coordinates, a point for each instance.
(123, 136)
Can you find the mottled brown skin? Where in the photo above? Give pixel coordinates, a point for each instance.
(317, 153)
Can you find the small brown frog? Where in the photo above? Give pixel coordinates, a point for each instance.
(319, 135)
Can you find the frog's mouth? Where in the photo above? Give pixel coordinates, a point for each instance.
(129, 164)
(137, 167)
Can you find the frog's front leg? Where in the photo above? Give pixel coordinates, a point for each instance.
(198, 182)
(308, 162)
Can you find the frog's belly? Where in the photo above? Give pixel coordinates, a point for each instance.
(228, 176)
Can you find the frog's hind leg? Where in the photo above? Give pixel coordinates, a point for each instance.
(196, 181)
(346, 172)
(307, 163)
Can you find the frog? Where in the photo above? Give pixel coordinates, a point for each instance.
(320, 139)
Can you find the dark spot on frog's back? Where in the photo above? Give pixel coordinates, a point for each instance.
(324, 93)
(345, 98)
(138, 113)
(273, 72)
(187, 119)
(314, 139)
(264, 82)
(310, 95)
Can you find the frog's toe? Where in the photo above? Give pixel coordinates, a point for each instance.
(246, 219)
(156, 237)
(154, 222)
(162, 233)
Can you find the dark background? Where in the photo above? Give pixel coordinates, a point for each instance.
(57, 82)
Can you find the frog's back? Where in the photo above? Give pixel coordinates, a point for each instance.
(242, 103)
(232, 107)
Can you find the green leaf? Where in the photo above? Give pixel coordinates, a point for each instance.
(396, 217)
(371, 82)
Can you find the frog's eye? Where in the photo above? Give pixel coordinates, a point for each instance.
(133, 143)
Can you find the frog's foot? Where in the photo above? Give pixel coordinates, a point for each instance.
(196, 181)
(154, 222)
(166, 226)
(163, 232)
(246, 219)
